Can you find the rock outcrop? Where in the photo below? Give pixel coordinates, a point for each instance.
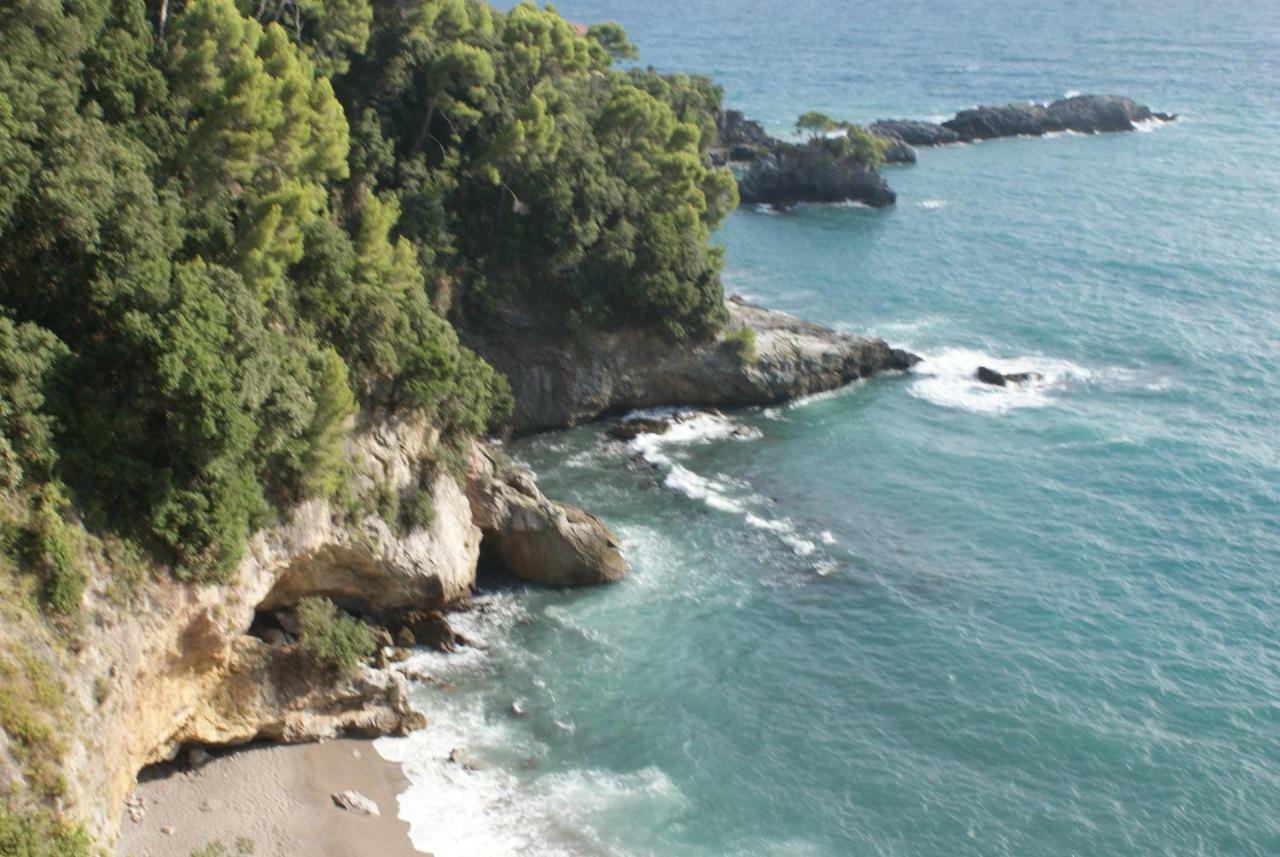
(535, 538)
(781, 174)
(1085, 114)
(914, 133)
(793, 174)
(762, 357)
(178, 665)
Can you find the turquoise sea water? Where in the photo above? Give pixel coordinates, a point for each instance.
(918, 617)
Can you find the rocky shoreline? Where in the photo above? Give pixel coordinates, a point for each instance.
(761, 357)
(185, 667)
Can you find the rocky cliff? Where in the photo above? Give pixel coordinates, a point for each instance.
(172, 664)
(762, 357)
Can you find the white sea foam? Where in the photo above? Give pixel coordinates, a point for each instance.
(933, 204)
(718, 492)
(1071, 93)
(500, 804)
(1146, 126)
(948, 378)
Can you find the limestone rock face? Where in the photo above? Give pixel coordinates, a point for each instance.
(561, 381)
(177, 665)
(535, 538)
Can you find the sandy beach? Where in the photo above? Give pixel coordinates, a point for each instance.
(279, 798)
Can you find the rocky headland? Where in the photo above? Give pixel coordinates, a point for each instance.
(761, 357)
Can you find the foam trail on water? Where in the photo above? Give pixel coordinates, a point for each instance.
(700, 428)
(948, 378)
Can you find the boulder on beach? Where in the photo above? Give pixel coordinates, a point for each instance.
(352, 801)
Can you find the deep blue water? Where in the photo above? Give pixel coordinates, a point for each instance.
(919, 617)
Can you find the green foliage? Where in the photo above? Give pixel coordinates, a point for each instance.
(866, 147)
(417, 508)
(816, 124)
(243, 847)
(614, 40)
(333, 640)
(743, 342)
(40, 834)
(32, 714)
(221, 237)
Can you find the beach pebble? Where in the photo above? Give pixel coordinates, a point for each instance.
(352, 801)
(197, 757)
(167, 831)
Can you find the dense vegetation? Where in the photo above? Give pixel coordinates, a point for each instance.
(332, 639)
(228, 227)
(225, 227)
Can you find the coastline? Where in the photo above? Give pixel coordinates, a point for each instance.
(279, 797)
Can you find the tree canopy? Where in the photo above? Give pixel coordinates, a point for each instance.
(227, 227)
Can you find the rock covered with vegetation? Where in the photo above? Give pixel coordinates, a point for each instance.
(838, 163)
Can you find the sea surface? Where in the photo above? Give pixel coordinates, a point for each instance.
(918, 616)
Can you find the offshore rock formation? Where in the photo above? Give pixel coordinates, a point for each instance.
(1085, 114)
(780, 174)
(793, 174)
(177, 665)
(762, 357)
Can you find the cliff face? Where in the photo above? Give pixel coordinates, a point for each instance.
(177, 665)
(762, 357)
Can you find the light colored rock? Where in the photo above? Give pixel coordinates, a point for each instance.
(352, 801)
(187, 672)
(535, 538)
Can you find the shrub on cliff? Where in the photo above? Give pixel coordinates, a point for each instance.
(332, 639)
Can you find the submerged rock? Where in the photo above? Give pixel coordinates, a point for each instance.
(633, 428)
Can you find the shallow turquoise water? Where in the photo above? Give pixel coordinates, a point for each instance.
(918, 617)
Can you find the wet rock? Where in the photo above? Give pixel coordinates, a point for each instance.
(405, 638)
(914, 133)
(991, 376)
(633, 428)
(1023, 377)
